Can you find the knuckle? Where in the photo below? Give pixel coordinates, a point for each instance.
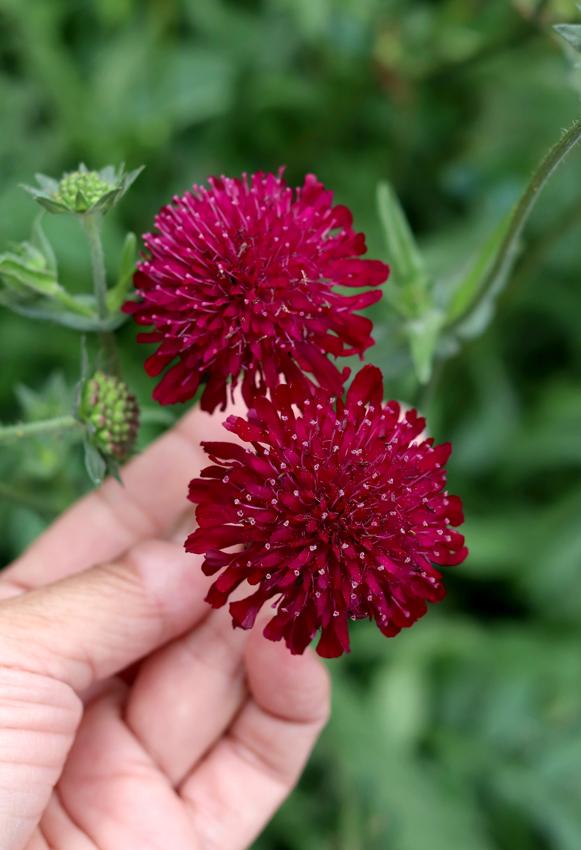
(33, 701)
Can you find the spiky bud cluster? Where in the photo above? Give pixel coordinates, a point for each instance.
(80, 190)
(83, 191)
(111, 414)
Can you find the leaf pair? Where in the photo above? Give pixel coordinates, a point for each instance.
(29, 286)
(436, 323)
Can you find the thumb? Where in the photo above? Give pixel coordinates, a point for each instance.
(58, 640)
(95, 623)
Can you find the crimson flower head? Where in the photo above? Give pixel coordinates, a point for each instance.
(336, 511)
(240, 284)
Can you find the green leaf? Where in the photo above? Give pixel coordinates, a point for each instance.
(44, 402)
(40, 241)
(412, 295)
(50, 311)
(571, 33)
(424, 334)
(105, 188)
(471, 306)
(114, 470)
(118, 293)
(95, 463)
(26, 275)
(407, 264)
(46, 183)
(131, 177)
(45, 201)
(470, 285)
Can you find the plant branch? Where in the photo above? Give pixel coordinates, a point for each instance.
(58, 425)
(505, 256)
(92, 227)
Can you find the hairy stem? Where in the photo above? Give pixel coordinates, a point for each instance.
(505, 256)
(58, 425)
(92, 226)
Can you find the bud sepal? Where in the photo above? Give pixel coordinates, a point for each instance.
(83, 191)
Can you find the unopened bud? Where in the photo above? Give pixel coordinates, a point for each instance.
(111, 414)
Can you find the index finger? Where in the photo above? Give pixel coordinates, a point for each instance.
(106, 522)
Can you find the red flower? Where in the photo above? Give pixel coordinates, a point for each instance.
(240, 281)
(338, 512)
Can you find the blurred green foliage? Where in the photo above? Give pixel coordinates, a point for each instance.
(464, 733)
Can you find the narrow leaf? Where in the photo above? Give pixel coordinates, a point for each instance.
(571, 33)
(50, 311)
(403, 253)
(470, 284)
(41, 242)
(27, 275)
(118, 293)
(475, 305)
(95, 463)
(423, 335)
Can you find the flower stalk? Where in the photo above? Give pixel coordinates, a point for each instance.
(57, 425)
(91, 225)
(506, 254)
(91, 222)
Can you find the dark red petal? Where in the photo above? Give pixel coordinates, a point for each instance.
(329, 645)
(177, 385)
(215, 560)
(244, 611)
(358, 272)
(201, 489)
(367, 387)
(326, 373)
(219, 537)
(243, 429)
(224, 451)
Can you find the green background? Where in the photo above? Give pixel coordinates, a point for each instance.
(465, 732)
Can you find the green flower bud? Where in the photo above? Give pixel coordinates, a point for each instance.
(80, 190)
(83, 191)
(111, 414)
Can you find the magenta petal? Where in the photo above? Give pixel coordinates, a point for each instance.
(244, 611)
(329, 645)
(221, 536)
(338, 512)
(366, 387)
(282, 253)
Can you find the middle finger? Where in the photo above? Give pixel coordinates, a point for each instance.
(187, 693)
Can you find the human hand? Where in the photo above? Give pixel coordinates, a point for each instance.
(198, 743)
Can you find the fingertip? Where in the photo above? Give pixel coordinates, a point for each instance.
(293, 687)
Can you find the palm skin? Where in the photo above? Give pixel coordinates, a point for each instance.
(132, 716)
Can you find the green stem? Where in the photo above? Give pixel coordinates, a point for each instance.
(71, 303)
(58, 425)
(91, 223)
(505, 256)
(92, 226)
